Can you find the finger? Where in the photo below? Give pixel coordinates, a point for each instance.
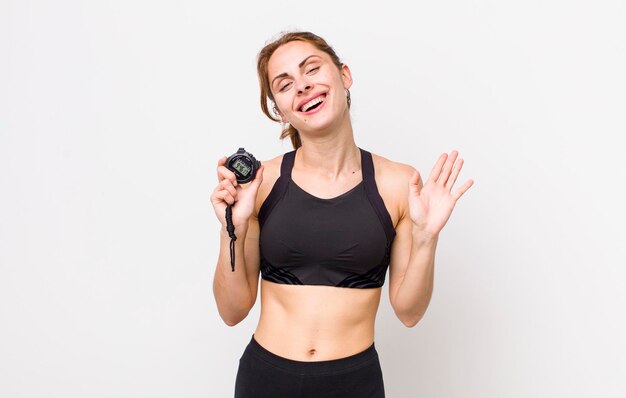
(228, 186)
(221, 196)
(221, 162)
(224, 173)
(447, 167)
(414, 183)
(459, 192)
(454, 175)
(225, 196)
(434, 173)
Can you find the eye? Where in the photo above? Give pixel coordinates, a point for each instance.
(285, 86)
(312, 70)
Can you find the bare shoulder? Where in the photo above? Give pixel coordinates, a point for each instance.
(392, 180)
(390, 172)
(272, 168)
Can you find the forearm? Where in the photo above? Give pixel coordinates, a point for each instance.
(231, 289)
(416, 288)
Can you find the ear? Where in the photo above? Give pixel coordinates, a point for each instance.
(282, 117)
(279, 114)
(346, 76)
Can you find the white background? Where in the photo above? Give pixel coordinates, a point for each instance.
(113, 115)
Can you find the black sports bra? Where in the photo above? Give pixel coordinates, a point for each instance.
(344, 241)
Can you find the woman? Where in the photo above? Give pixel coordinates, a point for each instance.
(322, 224)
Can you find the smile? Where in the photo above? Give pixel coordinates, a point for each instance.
(313, 104)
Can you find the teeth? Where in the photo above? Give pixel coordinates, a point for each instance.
(314, 101)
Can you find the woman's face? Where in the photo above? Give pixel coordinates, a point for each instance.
(309, 90)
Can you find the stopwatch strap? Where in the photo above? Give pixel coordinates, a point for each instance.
(231, 232)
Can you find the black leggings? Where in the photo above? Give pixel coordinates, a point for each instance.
(263, 374)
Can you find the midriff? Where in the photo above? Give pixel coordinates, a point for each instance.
(316, 323)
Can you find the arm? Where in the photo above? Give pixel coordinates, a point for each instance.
(413, 252)
(411, 272)
(235, 292)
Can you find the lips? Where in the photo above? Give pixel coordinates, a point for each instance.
(311, 102)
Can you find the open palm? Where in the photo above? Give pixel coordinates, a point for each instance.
(431, 206)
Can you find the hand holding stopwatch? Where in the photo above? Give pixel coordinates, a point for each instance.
(245, 166)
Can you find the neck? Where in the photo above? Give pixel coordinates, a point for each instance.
(330, 155)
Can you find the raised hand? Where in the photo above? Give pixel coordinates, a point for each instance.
(430, 207)
(228, 191)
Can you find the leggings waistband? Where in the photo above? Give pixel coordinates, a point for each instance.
(317, 367)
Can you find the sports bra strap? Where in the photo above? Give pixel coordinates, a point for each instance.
(287, 164)
(367, 166)
(369, 180)
(279, 188)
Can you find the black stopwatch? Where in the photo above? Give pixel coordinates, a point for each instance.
(244, 165)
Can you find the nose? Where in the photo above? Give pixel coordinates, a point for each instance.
(304, 86)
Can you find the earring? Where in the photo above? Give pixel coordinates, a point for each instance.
(348, 97)
(276, 112)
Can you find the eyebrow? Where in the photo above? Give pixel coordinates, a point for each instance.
(300, 65)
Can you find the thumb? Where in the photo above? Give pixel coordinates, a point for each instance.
(258, 179)
(414, 183)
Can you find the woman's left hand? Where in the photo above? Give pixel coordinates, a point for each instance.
(430, 207)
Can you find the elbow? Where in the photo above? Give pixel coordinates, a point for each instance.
(233, 316)
(410, 319)
(231, 322)
(409, 323)
(410, 315)
(234, 308)
(233, 319)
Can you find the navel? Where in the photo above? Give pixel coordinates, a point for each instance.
(312, 351)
